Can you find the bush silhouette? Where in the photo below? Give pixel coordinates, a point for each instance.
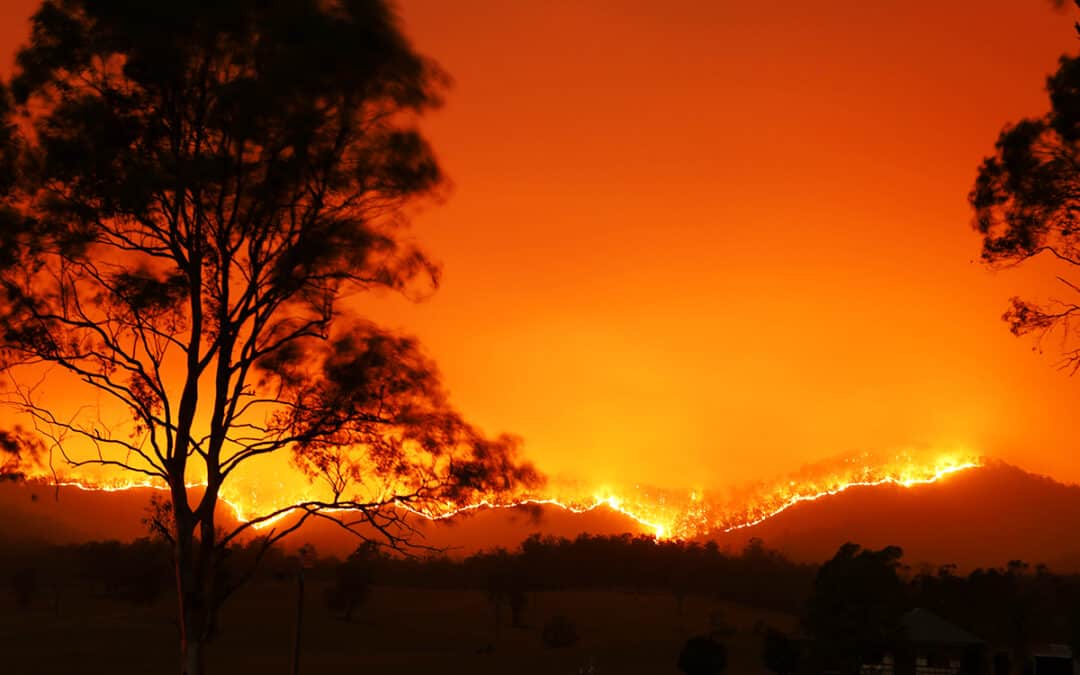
(352, 582)
(702, 655)
(780, 653)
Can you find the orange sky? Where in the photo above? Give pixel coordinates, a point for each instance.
(694, 243)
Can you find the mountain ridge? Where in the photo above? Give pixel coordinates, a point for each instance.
(979, 517)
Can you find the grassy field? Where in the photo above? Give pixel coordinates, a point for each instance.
(398, 631)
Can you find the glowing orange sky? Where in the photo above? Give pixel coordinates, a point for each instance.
(700, 243)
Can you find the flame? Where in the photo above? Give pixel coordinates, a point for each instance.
(665, 514)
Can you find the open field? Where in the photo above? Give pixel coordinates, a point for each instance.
(399, 631)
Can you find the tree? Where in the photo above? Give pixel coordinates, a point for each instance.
(779, 653)
(702, 655)
(1026, 200)
(187, 193)
(506, 586)
(137, 572)
(352, 581)
(857, 603)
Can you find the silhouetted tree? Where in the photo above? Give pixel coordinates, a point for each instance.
(856, 604)
(1008, 607)
(702, 655)
(352, 580)
(135, 572)
(1001, 664)
(779, 653)
(505, 584)
(1027, 204)
(196, 190)
(755, 576)
(518, 601)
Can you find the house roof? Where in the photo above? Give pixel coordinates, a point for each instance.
(925, 626)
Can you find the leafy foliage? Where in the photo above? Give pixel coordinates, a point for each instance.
(703, 655)
(858, 596)
(352, 581)
(190, 193)
(1026, 200)
(780, 653)
(20, 452)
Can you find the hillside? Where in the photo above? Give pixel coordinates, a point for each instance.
(980, 517)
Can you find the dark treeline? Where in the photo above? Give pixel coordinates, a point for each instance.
(755, 576)
(860, 597)
(139, 571)
(1012, 607)
(858, 591)
(35, 574)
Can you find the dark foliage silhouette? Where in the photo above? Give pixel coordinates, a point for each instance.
(856, 604)
(20, 453)
(190, 196)
(352, 581)
(1027, 204)
(506, 586)
(137, 572)
(1014, 608)
(1001, 664)
(779, 652)
(703, 655)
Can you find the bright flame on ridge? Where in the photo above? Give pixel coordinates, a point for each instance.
(664, 514)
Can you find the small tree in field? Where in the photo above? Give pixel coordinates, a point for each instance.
(779, 652)
(187, 191)
(352, 581)
(1027, 204)
(703, 655)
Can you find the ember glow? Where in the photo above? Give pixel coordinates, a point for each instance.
(666, 514)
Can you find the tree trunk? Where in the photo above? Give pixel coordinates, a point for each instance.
(192, 620)
(193, 657)
(194, 595)
(299, 622)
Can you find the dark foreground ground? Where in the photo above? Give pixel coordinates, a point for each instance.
(398, 631)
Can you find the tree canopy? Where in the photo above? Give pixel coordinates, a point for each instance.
(188, 191)
(1026, 200)
(857, 596)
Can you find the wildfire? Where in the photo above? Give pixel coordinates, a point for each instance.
(666, 514)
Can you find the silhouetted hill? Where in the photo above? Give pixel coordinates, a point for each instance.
(485, 529)
(47, 514)
(42, 513)
(980, 517)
